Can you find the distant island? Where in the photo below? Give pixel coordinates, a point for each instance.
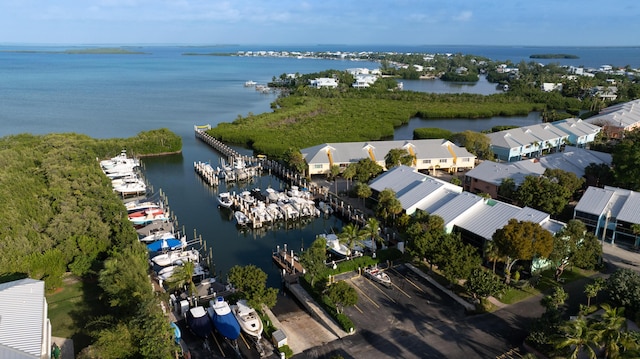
(553, 56)
(85, 51)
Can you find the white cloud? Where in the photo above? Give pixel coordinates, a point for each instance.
(463, 16)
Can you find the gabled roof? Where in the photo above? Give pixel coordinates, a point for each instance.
(572, 159)
(622, 115)
(21, 318)
(458, 206)
(577, 127)
(527, 135)
(496, 172)
(346, 152)
(492, 215)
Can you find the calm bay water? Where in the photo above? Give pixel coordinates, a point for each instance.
(106, 96)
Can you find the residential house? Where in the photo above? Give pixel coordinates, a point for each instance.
(415, 190)
(551, 86)
(323, 82)
(529, 141)
(617, 119)
(581, 133)
(610, 212)
(474, 217)
(25, 330)
(364, 81)
(433, 154)
(607, 93)
(487, 176)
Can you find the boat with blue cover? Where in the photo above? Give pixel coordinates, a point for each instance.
(165, 244)
(223, 320)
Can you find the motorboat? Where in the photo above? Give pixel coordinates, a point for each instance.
(167, 244)
(149, 218)
(198, 321)
(146, 212)
(225, 200)
(241, 218)
(248, 318)
(166, 272)
(173, 257)
(155, 227)
(249, 83)
(135, 187)
(335, 246)
(157, 236)
(377, 275)
(120, 159)
(135, 206)
(223, 320)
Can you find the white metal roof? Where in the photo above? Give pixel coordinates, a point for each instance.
(22, 315)
(595, 201)
(623, 115)
(397, 179)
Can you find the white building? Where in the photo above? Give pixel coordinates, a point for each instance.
(323, 82)
(430, 154)
(25, 330)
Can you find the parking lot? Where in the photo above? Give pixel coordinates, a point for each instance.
(413, 319)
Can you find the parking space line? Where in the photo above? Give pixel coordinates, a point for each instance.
(366, 296)
(408, 280)
(360, 310)
(218, 343)
(381, 291)
(245, 341)
(403, 292)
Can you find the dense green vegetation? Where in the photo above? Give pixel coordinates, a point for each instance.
(310, 117)
(60, 215)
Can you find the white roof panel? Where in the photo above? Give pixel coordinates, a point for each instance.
(22, 316)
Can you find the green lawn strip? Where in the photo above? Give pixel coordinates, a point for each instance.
(70, 310)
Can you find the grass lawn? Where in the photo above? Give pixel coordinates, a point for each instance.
(71, 308)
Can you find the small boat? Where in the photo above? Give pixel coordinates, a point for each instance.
(146, 212)
(377, 275)
(334, 246)
(250, 83)
(166, 244)
(174, 257)
(157, 236)
(241, 218)
(198, 322)
(248, 318)
(166, 272)
(149, 218)
(136, 206)
(137, 187)
(223, 320)
(155, 227)
(224, 199)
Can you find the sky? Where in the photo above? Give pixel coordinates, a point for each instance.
(309, 22)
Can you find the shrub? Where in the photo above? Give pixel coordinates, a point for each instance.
(288, 353)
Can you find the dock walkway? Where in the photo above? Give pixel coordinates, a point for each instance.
(287, 261)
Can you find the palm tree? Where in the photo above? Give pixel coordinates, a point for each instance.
(350, 236)
(592, 289)
(371, 230)
(579, 335)
(492, 252)
(182, 276)
(611, 326)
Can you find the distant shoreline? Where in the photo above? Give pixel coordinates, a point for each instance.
(553, 56)
(87, 51)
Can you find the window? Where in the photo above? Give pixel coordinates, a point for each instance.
(317, 166)
(426, 161)
(443, 160)
(466, 159)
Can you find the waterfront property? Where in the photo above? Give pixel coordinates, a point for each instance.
(610, 212)
(429, 155)
(487, 176)
(617, 119)
(537, 140)
(475, 217)
(25, 330)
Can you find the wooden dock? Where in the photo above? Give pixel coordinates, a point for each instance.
(287, 261)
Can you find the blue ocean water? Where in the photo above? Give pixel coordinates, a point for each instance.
(106, 96)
